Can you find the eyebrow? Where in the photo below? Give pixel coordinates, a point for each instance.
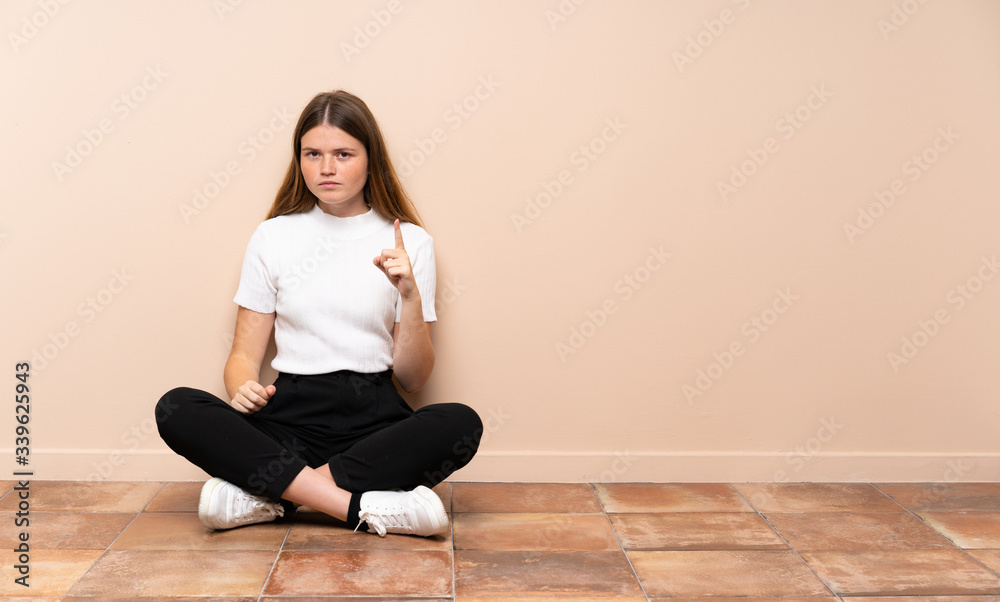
(336, 150)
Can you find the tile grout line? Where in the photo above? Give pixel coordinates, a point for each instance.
(950, 540)
(277, 555)
(163, 484)
(787, 543)
(621, 547)
(451, 509)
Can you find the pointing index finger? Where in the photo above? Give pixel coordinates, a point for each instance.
(399, 236)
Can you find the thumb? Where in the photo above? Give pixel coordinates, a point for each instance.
(269, 391)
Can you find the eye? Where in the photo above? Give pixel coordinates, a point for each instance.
(344, 154)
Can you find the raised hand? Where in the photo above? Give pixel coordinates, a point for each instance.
(395, 264)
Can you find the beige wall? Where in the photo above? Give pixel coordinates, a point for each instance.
(662, 254)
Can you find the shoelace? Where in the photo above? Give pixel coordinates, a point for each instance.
(252, 509)
(380, 518)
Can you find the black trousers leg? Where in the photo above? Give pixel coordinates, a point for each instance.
(225, 443)
(423, 449)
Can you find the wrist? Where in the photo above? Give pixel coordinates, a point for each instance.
(411, 297)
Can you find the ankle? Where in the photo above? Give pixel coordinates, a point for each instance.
(353, 510)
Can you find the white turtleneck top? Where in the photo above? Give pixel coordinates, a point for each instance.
(334, 308)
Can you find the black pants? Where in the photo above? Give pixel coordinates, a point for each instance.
(358, 423)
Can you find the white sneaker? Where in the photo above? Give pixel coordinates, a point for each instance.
(224, 506)
(417, 512)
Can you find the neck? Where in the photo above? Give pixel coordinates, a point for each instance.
(338, 210)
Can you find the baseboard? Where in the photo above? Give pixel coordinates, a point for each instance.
(579, 467)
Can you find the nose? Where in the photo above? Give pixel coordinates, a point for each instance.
(329, 165)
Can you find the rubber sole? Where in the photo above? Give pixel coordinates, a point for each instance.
(205, 501)
(435, 501)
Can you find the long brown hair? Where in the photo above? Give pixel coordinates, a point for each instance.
(383, 191)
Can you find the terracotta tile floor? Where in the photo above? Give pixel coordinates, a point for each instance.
(628, 541)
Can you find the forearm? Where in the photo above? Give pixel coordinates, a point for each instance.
(413, 353)
(239, 370)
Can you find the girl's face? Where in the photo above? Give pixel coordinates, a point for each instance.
(335, 168)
